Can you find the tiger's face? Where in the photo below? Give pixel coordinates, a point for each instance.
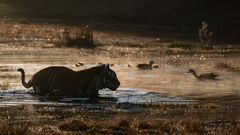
(109, 79)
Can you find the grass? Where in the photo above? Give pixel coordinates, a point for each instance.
(47, 35)
(205, 36)
(151, 126)
(82, 38)
(136, 127)
(59, 35)
(197, 118)
(74, 126)
(141, 128)
(14, 128)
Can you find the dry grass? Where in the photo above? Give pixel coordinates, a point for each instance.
(14, 128)
(82, 37)
(151, 126)
(138, 126)
(154, 119)
(113, 126)
(59, 35)
(74, 125)
(205, 36)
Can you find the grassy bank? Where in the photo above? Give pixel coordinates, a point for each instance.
(123, 119)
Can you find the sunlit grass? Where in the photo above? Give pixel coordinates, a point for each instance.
(81, 37)
(59, 35)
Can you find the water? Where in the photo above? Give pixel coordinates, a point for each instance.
(165, 85)
(123, 95)
(170, 83)
(128, 95)
(175, 81)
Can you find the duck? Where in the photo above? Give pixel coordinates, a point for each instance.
(79, 64)
(111, 65)
(155, 66)
(145, 66)
(99, 63)
(205, 76)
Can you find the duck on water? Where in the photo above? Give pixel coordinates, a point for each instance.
(145, 66)
(205, 76)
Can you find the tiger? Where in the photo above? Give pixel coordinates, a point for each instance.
(62, 81)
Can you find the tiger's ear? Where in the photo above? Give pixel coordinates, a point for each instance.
(107, 67)
(104, 67)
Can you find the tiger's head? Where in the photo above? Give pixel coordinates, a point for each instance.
(108, 78)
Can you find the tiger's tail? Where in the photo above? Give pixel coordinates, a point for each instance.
(24, 83)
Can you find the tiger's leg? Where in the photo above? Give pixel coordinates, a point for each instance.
(55, 92)
(91, 93)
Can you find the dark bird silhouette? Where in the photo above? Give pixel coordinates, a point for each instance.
(209, 76)
(145, 66)
(111, 65)
(155, 66)
(79, 64)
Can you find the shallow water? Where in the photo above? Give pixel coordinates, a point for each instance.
(123, 95)
(128, 95)
(170, 83)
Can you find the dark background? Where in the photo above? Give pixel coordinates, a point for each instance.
(223, 16)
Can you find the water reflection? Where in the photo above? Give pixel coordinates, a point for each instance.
(129, 95)
(123, 95)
